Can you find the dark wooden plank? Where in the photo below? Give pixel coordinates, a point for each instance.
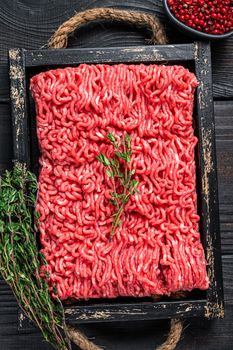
(6, 149)
(222, 54)
(139, 311)
(19, 105)
(142, 54)
(8, 304)
(23, 341)
(224, 142)
(4, 86)
(43, 18)
(207, 179)
(198, 334)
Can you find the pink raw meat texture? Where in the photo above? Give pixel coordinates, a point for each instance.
(157, 249)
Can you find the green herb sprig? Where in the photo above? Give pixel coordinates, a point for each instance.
(20, 262)
(118, 168)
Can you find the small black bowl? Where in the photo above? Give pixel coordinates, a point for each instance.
(190, 31)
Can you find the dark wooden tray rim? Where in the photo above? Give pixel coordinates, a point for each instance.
(23, 64)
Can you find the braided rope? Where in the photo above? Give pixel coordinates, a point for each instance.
(174, 335)
(60, 37)
(78, 338)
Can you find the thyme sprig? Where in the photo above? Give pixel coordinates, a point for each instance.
(20, 262)
(118, 168)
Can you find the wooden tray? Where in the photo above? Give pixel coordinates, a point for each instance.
(197, 57)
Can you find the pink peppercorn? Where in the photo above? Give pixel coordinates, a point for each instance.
(210, 16)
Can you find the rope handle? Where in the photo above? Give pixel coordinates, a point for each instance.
(59, 39)
(173, 337)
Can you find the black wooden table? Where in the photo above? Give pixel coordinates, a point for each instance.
(29, 24)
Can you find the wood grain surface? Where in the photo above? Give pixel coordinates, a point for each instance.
(29, 24)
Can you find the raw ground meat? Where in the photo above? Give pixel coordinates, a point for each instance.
(157, 249)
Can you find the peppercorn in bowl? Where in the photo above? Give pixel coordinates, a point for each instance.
(204, 19)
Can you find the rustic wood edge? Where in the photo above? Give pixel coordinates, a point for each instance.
(143, 54)
(208, 181)
(19, 114)
(20, 60)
